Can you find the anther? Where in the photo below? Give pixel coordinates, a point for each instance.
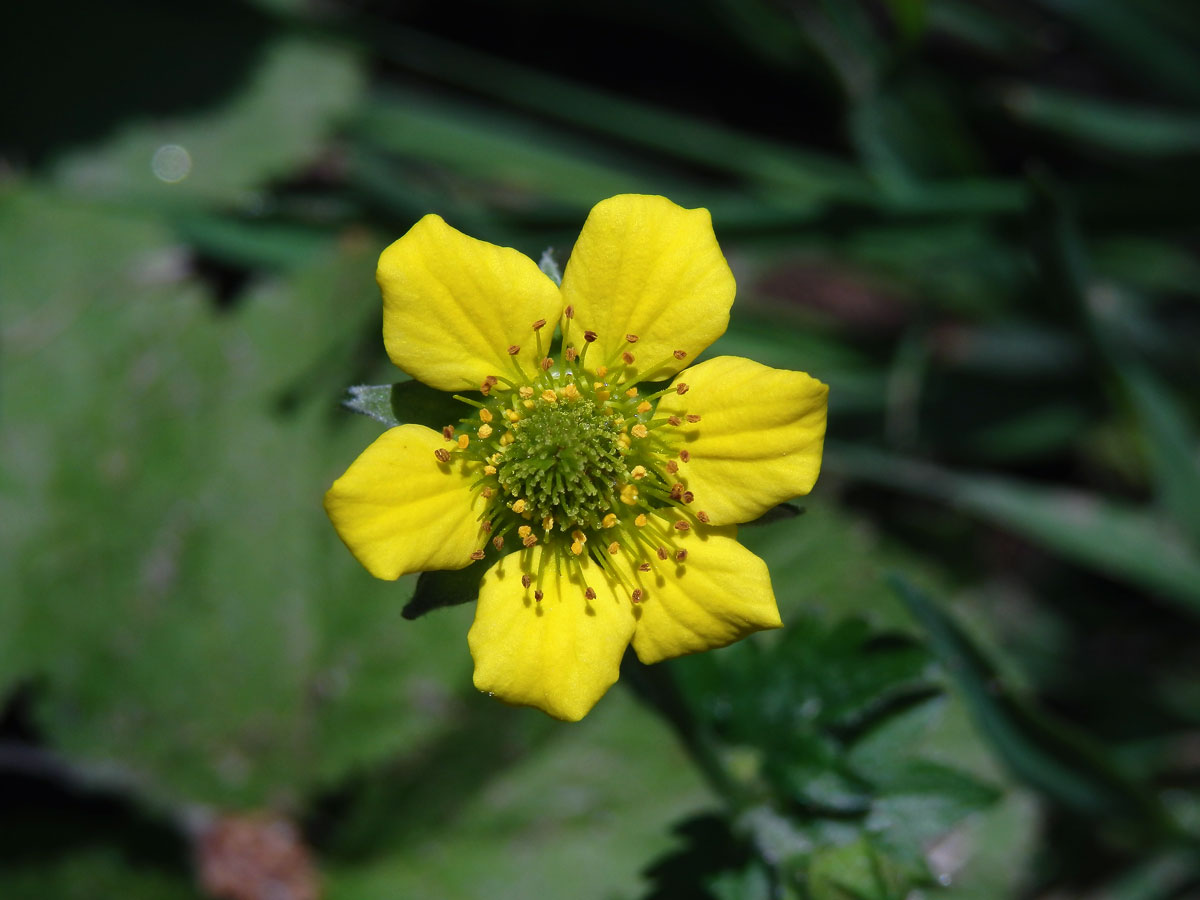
(539, 324)
(485, 415)
(524, 531)
(631, 393)
(644, 406)
(569, 312)
(589, 336)
(463, 441)
(487, 527)
(632, 338)
(608, 521)
(688, 497)
(506, 439)
(571, 392)
(448, 433)
(577, 548)
(680, 354)
(641, 520)
(684, 455)
(530, 541)
(485, 431)
(613, 548)
(443, 456)
(514, 349)
(702, 516)
(627, 358)
(477, 555)
(498, 542)
(489, 469)
(674, 420)
(662, 553)
(644, 567)
(602, 371)
(512, 415)
(629, 495)
(681, 388)
(537, 595)
(693, 418)
(526, 581)
(518, 506)
(526, 392)
(638, 472)
(680, 555)
(636, 596)
(672, 466)
(547, 363)
(549, 396)
(682, 525)
(590, 593)
(676, 491)
(571, 354)
(488, 493)
(548, 522)
(639, 430)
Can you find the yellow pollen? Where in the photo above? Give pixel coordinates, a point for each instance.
(571, 354)
(494, 459)
(602, 395)
(638, 472)
(629, 495)
(631, 393)
(489, 470)
(579, 536)
(518, 506)
(549, 396)
(463, 440)
(530, 541)
(571, 392)
(528, 404)
(644, 406)
(548, 523)
(608, 521)
(624, 441)
(577, 547)
(506, 439)
(641, 520)
(602, 371)
(639, 430)
(512, 415)
(485, 415)
(526, 392)
(524, 531)
(613, 548)
(485, 431)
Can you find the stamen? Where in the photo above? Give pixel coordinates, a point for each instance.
(498, 542)
(514, 349)
(485, 414)
(539, 324)
(569, 312)
(608, 521)
(644, 406)
(571, 354)
(662, 553)
(519, 507)
(525, 391)
(629, 496)
(530, 541)
(548, 523)
(684, 455)
(631, 393)
(448, 433)
(547, 363)
(693, 418)
(463, 441)
(614, 548)
(674, 420)
(485, 431)
(443, 456)
(672, 466)
(680, 555)
(682, 525)
(680, 354)
(477, 555)
(538, 595)
(632, 338)
(590, 594)
(571, 392)
(681, 388)
(644, 567)
(549, 396)
(638, 472)
(489, 469)
(688, 497)
(590, 336)
(639, 430)
(628, 358)
(636, 596)
(702, 516)
(526, 580)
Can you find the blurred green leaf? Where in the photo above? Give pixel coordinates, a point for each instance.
(88, 874)
(402, 403)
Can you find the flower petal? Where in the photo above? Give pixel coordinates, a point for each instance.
(759, 438)
(453, 305)
(720, 594)
(646, 267)
(399, 510)
(559, 654)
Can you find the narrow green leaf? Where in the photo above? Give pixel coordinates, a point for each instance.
(403, 403)
(436, 590)
(1049, 755)
(1121, 540)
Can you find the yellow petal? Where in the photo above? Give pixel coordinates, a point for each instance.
(759, 439)
(559, 654)
(399, 510)
(643, 266)
(718, 595)
(453, 305)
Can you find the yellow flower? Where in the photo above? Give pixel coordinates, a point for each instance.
(610, 513)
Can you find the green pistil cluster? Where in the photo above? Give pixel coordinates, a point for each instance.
(575, 458)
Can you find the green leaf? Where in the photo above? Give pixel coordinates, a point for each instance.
(403, 403)
(1047, 754)
(436, 590)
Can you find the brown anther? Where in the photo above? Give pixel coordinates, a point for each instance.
(487, 527)
(687, 497)
(491, 380)
(636, 596)
(514, 349)
(684, 455)
(703, 517)
(526, 580)
(569, 312)
(448, 432)
(644, 567)
(627, 358)
(662, 553)
(488, 493)
(498, 542)
(443, 456)
(682, 525)
(477, 555)
(485, 388)
(589, 336)
(547, 363)
(613, 548)
(537, 595)
(590, 593)
(571, 354)
(676, 491)
(680, 555)
(539, 324)
(632, 338)
(674, 420)
(681, 388)
(529, 541)
(693, 418)
(672, 466)
(680, 354)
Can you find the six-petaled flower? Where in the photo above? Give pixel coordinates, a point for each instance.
(608, 505)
